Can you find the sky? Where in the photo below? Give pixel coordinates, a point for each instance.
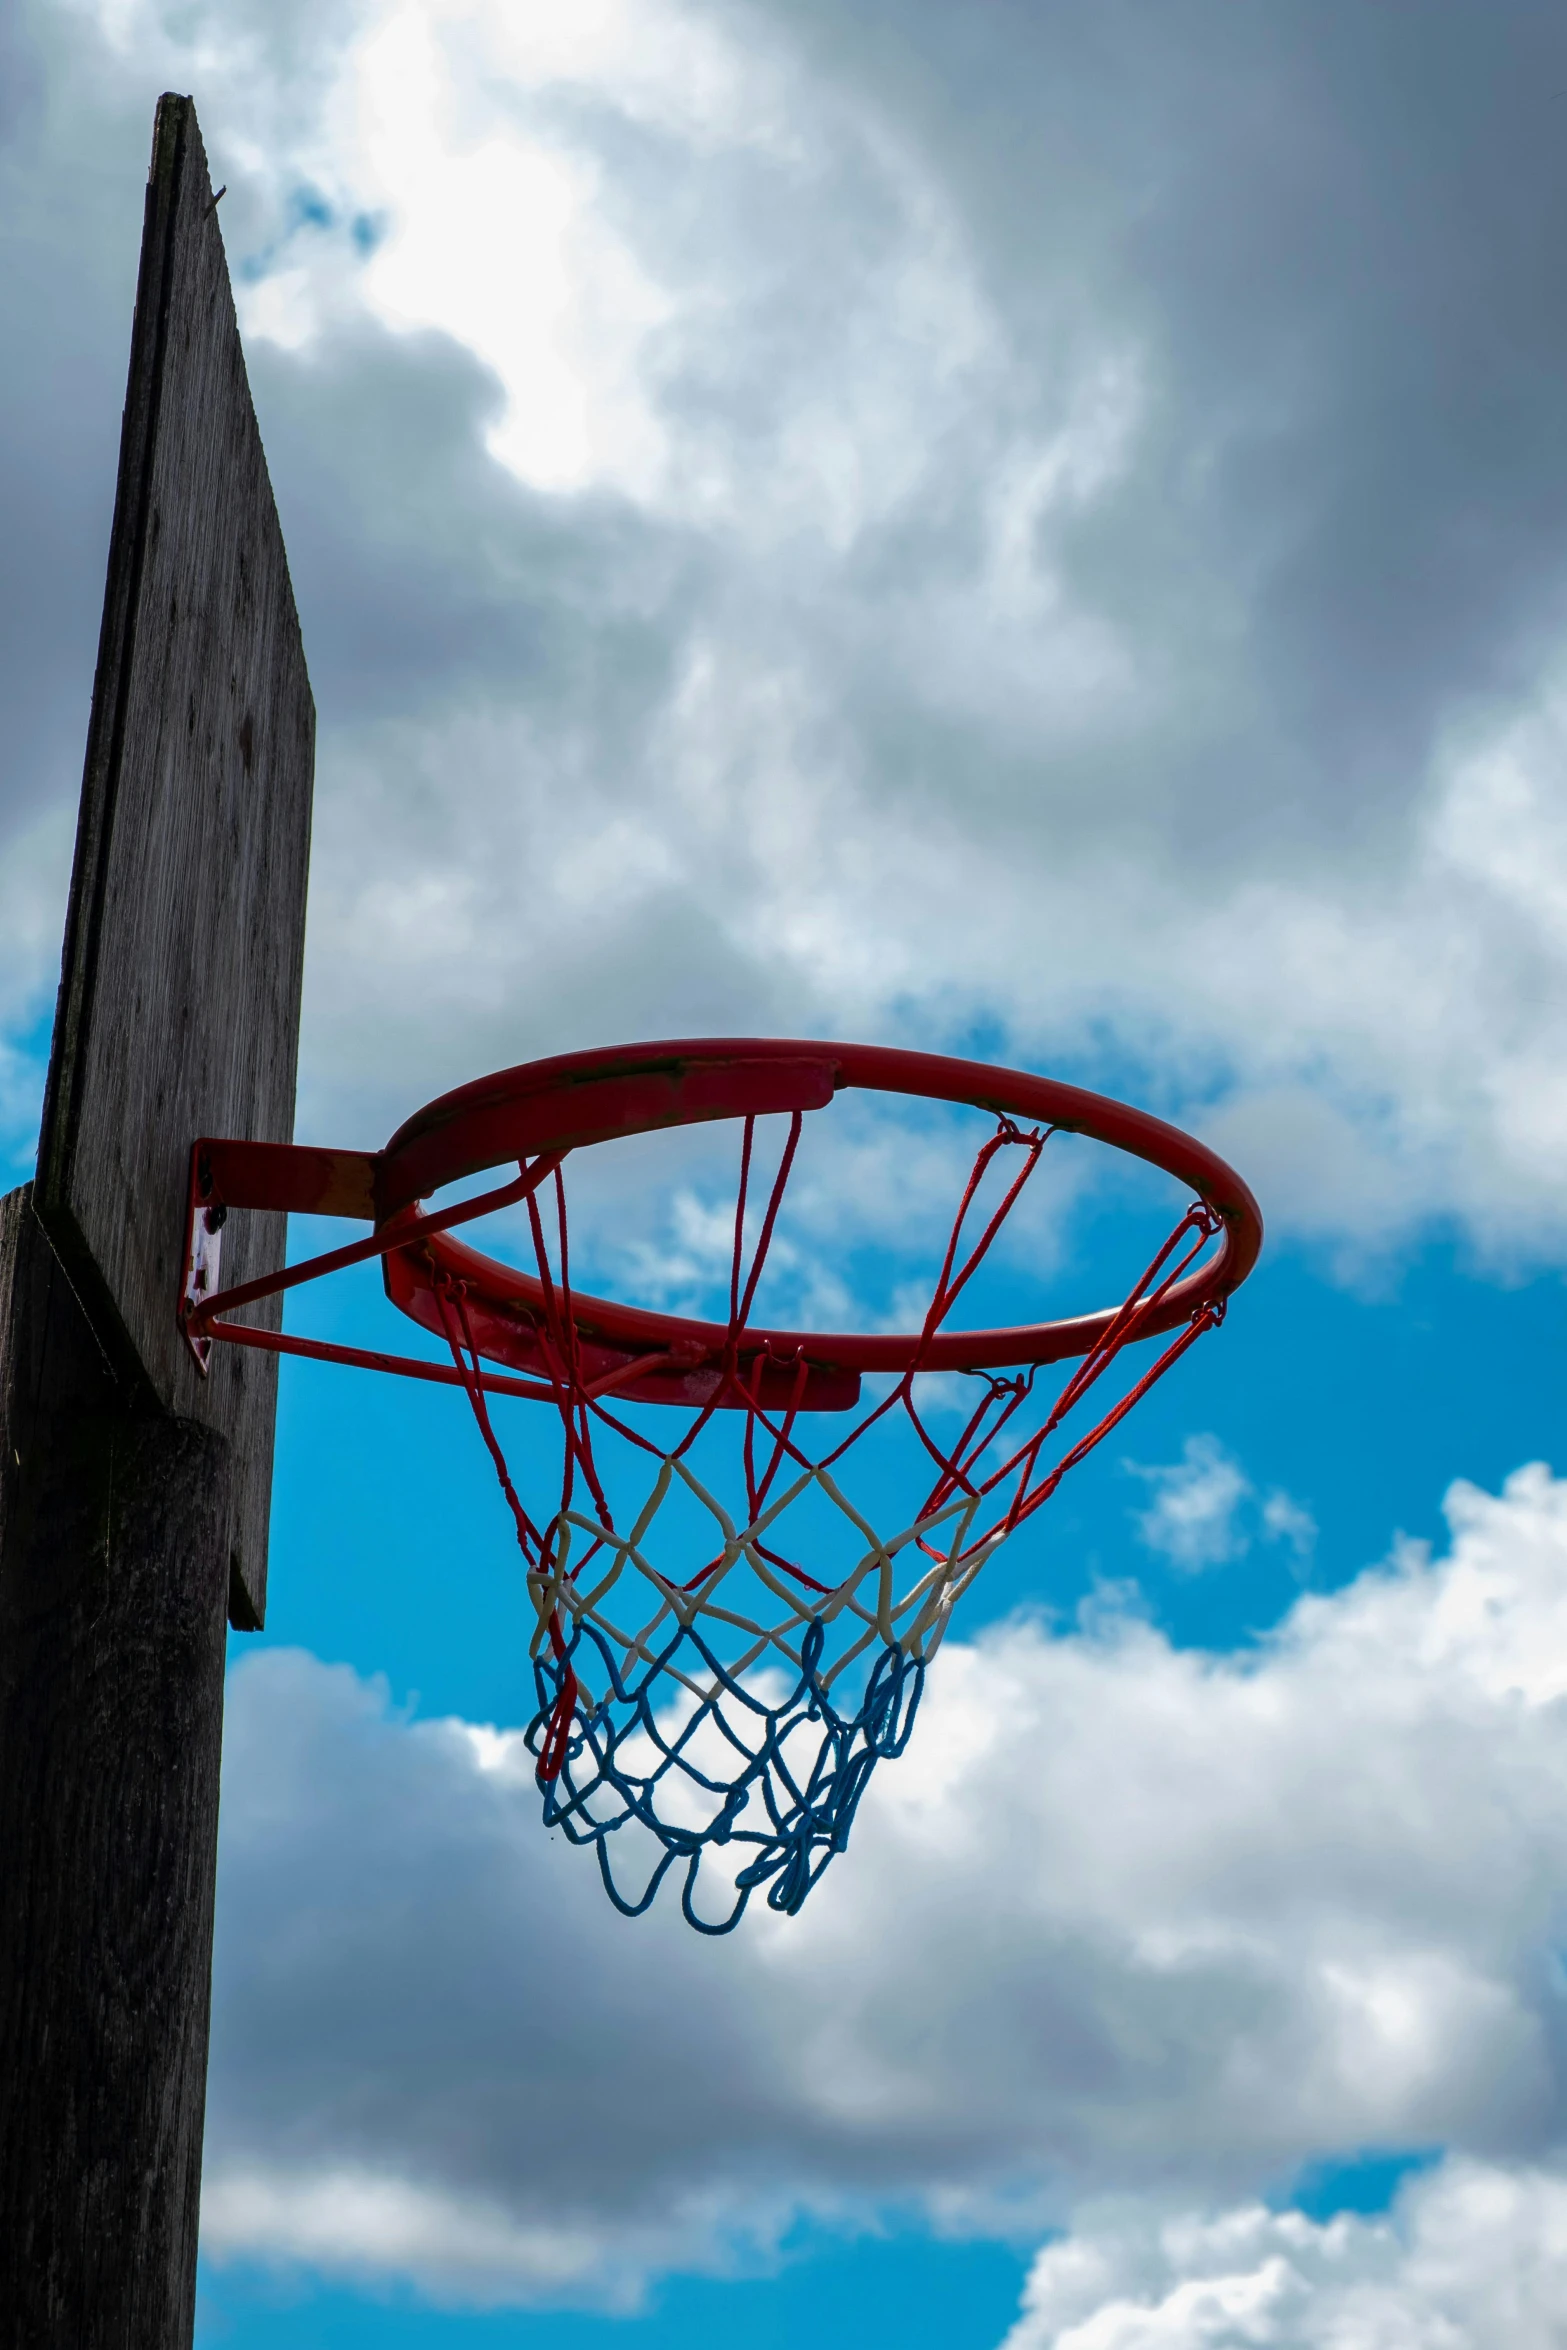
(1025, 531)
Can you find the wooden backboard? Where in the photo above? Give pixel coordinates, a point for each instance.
(180, 988)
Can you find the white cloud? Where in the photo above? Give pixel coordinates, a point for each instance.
(1124, 1919)
(367, 2224)
(495, 238)
(452, 168)
(1205, 1509)
(1474, 2255)
(1286, 1520)
(1195, 1507)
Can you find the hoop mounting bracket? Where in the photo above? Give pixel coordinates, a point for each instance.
(296, 1177)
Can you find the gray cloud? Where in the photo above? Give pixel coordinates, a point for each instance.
(1336, 234)
(1309, 1907)
(1022, 519)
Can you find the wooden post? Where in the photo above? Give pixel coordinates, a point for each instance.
(133, 1493)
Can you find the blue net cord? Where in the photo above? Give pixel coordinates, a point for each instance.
(730, 1737)
(796, 1770)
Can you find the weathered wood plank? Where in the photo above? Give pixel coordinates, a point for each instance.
(180, 989)
(114, 1540)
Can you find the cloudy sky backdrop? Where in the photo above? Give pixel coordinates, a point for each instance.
(1023, 529)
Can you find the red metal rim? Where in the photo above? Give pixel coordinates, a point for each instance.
(577, 1099)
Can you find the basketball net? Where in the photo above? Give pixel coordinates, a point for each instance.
(724, 1646)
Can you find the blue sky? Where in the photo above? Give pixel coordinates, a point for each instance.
(1026, 532)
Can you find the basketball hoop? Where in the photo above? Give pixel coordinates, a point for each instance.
(703, 1693)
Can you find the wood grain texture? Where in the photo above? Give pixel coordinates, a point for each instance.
(114, 1539)
(180, 987)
